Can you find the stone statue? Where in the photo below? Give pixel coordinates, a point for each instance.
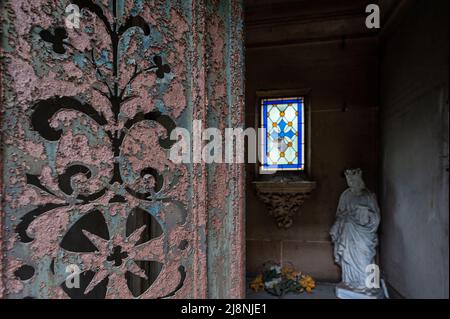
(354, 233)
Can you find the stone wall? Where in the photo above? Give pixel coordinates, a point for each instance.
(414, 132)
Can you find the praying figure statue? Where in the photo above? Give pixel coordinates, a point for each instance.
(354, 233)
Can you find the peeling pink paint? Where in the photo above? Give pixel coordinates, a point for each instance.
(47, 231)
(35, 170)
(142, 143)
(175, 100)
(220, 190)
(28, 85)
(14, 284)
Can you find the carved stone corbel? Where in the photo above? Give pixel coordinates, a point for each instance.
(284, 199)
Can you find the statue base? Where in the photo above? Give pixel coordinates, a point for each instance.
(344, 292)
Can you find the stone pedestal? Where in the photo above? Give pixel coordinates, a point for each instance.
(343, 292)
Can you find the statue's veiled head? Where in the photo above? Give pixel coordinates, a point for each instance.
(354, 179)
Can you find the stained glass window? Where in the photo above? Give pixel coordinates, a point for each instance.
(284, 138)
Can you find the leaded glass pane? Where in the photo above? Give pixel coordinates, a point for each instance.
(283, 123)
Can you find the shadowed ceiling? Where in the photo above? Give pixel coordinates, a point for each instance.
(278, 22)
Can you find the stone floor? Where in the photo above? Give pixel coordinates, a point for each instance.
(322, 291)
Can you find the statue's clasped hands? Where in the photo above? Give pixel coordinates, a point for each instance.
(362, 215)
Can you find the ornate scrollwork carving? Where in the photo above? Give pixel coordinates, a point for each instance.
(283, 207)
(101, 182)
(284, 199)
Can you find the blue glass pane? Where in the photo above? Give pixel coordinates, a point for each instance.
(283, 139)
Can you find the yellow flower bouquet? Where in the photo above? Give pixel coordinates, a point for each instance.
(279, 280)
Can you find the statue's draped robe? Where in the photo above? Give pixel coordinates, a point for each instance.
(354, 240)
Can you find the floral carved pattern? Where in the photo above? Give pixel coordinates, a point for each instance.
(283, 206)
(284, 199)
(107, 212)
